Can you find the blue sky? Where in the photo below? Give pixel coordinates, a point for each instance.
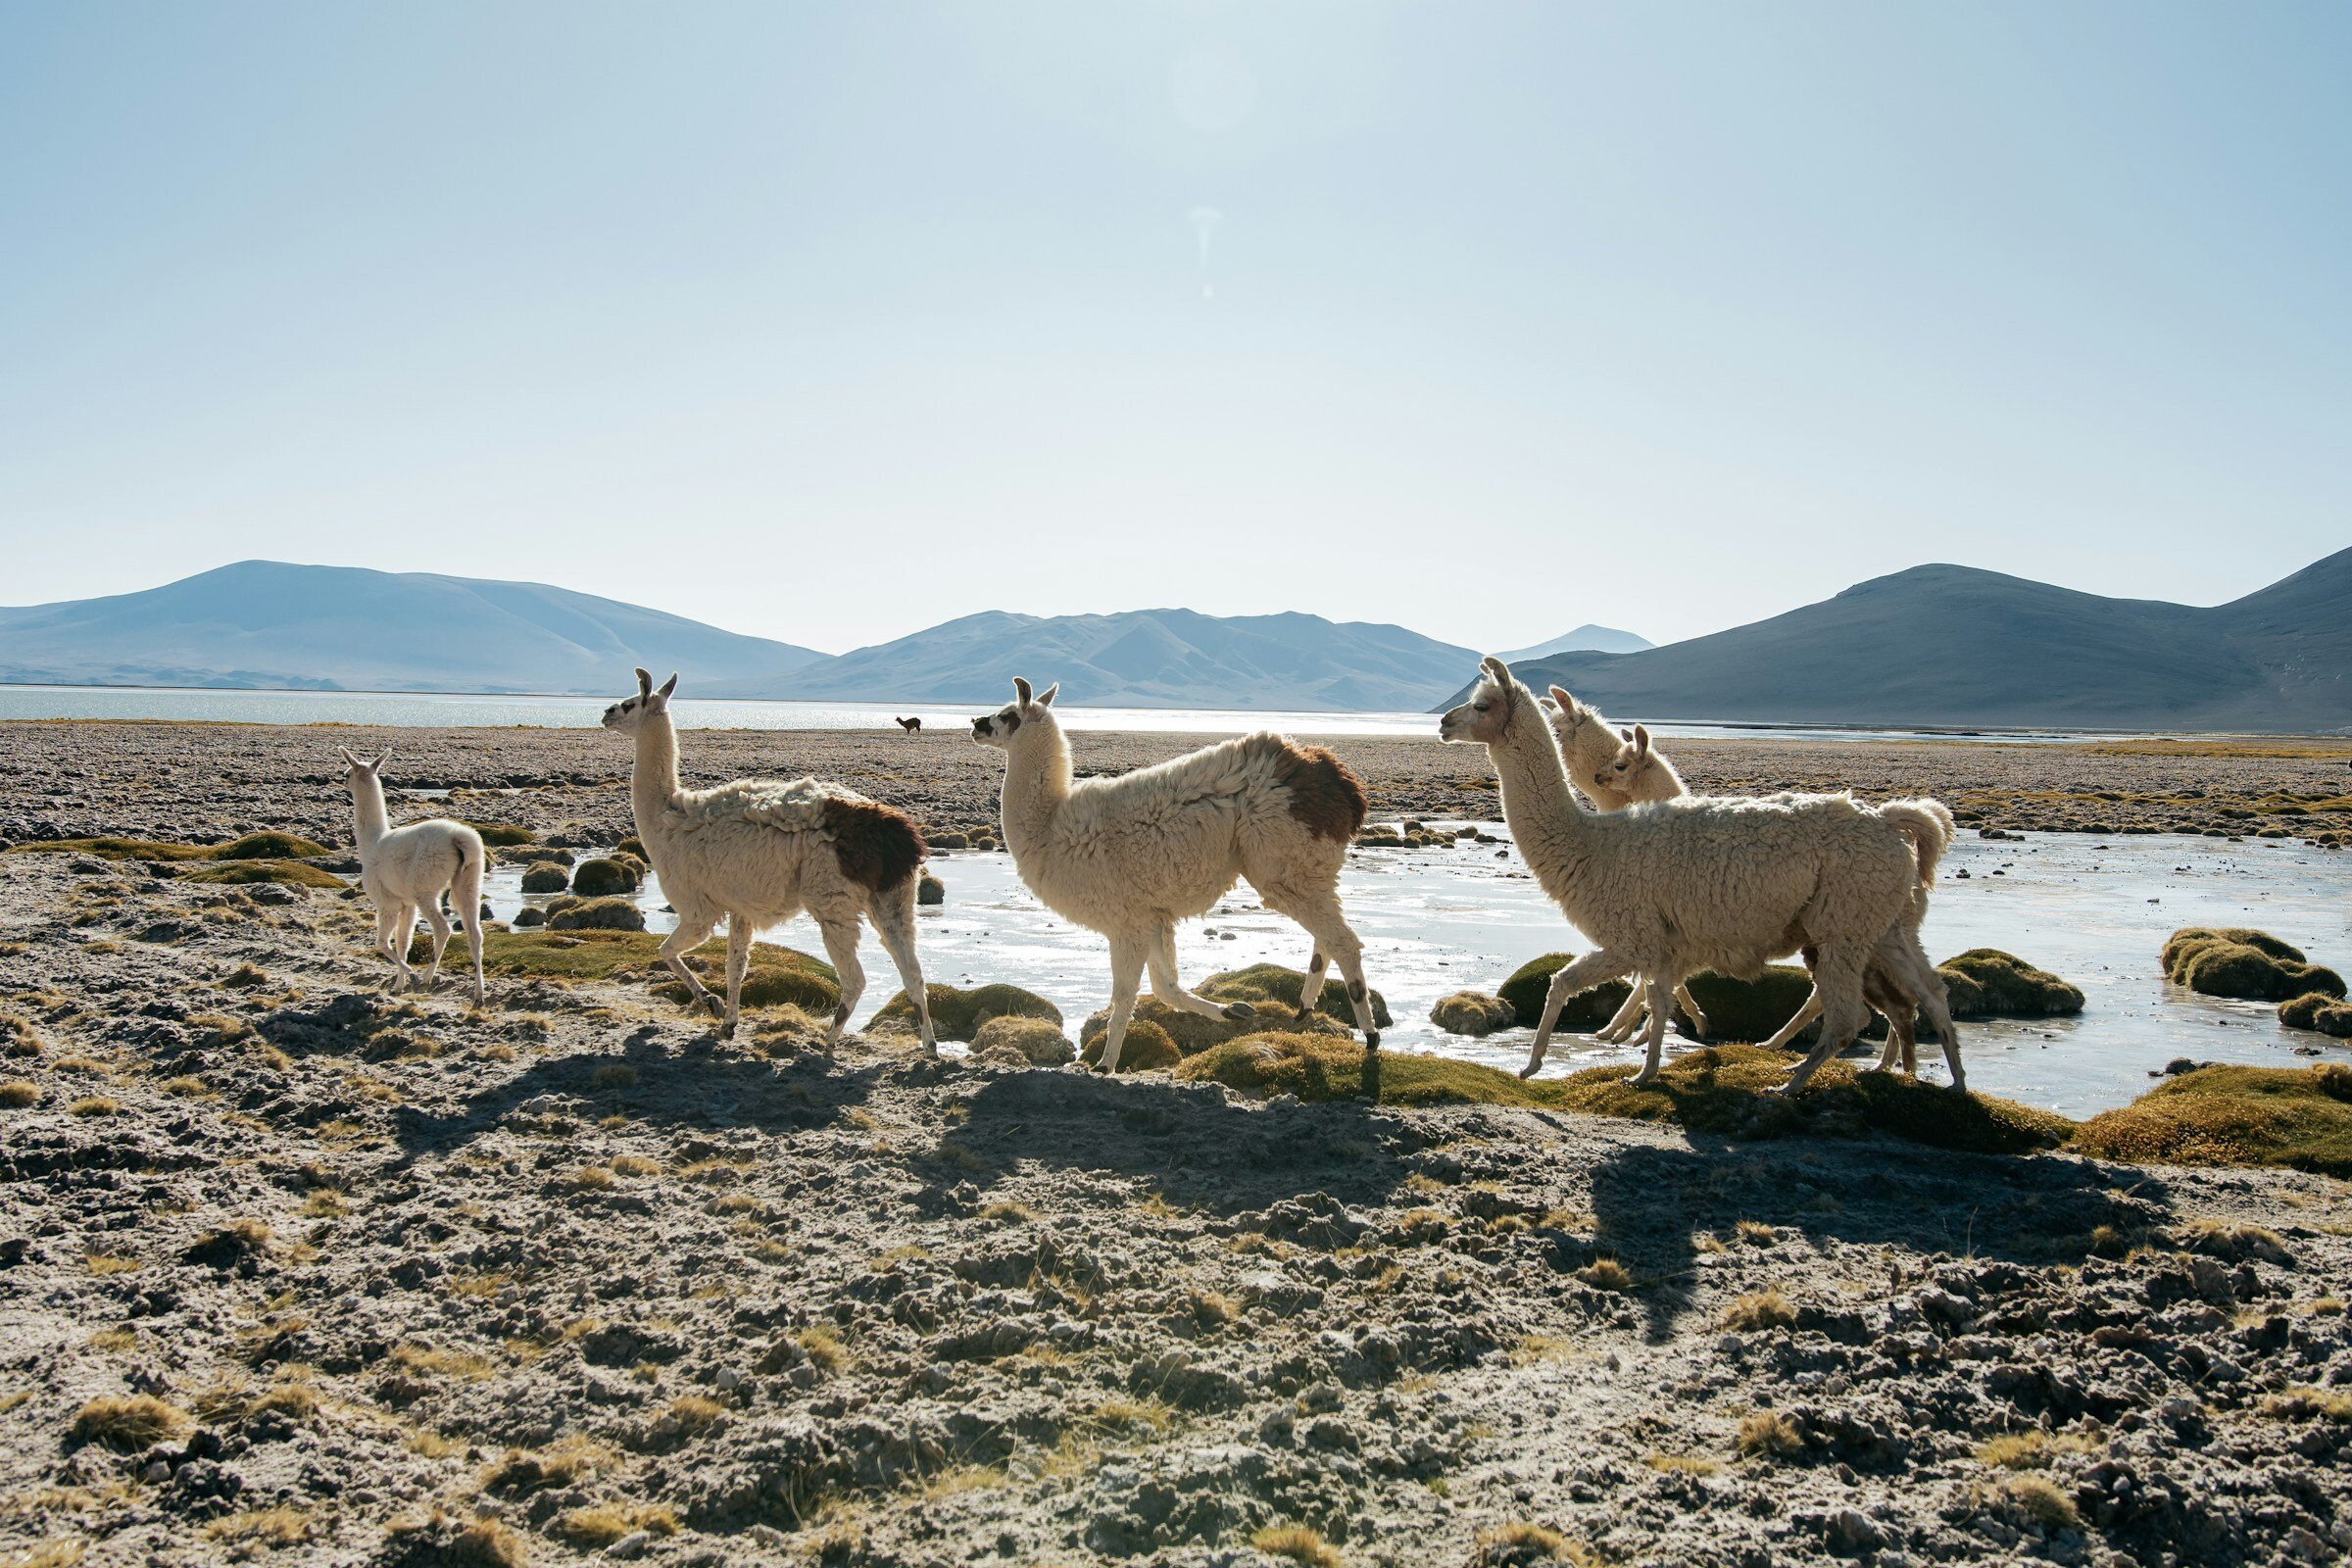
(827, 322)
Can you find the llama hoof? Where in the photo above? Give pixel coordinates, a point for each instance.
(1371, 1041)
(1238, 1012)
(716, 1007)
(1641, 1080)
(1530, 1069)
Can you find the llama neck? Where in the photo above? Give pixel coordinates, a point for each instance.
(369, 819)
(1544, 820)
(1037, 780)
(653, 783)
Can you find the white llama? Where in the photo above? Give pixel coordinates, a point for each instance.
(757, 851)
(1600, 768)
(1638, 772)
(405, 869)
(1699, 882)
(1131, 855)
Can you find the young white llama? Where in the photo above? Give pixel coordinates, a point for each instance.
(1703, 882)
(405, 869)
(757, 851)
(1131, 855)
(1588, 745)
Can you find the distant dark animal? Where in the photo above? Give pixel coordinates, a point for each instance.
(912, 726)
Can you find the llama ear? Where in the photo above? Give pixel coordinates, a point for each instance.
(645, 681)
(1496, 668)
(384, 757)
(347, 756)
(1640, 740)
(668, 686)
(1020, 690)
(1044, 699)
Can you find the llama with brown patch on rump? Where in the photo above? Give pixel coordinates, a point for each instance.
(1131, 855)
(757, 852)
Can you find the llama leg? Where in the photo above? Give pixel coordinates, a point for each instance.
(403, 928)
(1160, 959)
(739, 960)
(1838, 982)
(1628, 1018)
(892, 916)
(690, 935)
(1310, 983)
(1661, 1011)
(1933, 999)
(1127, 956)
(469, 895)
(386, 915)
(841, 947)
(440, 924)
(1566, 981)
(1689, 1006)
(1884, 989)
(1317, 909)
(1809, 1011)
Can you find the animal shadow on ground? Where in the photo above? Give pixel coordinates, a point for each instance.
(700, 1086)
(1650, 1205)
(1200, 1149)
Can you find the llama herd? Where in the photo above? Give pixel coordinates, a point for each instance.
(1664, 883)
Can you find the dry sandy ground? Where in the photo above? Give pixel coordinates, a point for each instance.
(436, 1284)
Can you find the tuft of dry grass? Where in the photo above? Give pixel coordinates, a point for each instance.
(18, 1093)
(1299, 1544)
(824, 1347)
(95, 1105)
(2221, 1237)
(428, 1361)
(2039, 1498)
(1769, 1434)
(1608, 1274)
(635, 1165)
(1689, 1464)
(2310, 1404)
(1764, 1309)
(568, 1463)
(1520, 1542)
(592, 1178)
(129, 1422)
(262, 1527)
(60, 1552)
(1124, 1415)
(599, 1525)
(110, 1263)
(2028, 1450)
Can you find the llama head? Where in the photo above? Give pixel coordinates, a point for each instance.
(631, 713)
(1493, 703)
(1587, 744)
(365, 770)
(1025, 714)
(1626, 767)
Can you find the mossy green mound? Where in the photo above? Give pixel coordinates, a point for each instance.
(774, 977)
(545, 876)
(958, 1015)
(2225, 1115)
(594, 915)
(604, 877)
(1473, 1014)
(930, 890)
(1722, 1090)
(2251, 966)
(1272, 985)
(500, 835)
(1025, 1041)
(1581, 1013)
(285, 873)
(2316, 1009)
(633, 844)
(1146, 1049)
(1987, 983)
(270, 846)
(1749, 1009)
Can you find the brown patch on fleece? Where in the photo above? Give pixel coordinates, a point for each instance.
(878, 848)
(1324, 795)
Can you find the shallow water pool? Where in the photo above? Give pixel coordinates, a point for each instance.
(1437, 920)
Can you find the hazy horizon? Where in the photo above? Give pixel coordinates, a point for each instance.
(828, 324)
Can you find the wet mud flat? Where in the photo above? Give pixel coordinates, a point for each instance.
(216, 781)
(291, 1270)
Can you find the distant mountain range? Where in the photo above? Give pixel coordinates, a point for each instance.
(1936, 645)
(264, 623)
(1954, 646)
(1588, 637)
(1141, 658)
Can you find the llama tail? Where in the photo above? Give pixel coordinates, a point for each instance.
(1928, 824)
